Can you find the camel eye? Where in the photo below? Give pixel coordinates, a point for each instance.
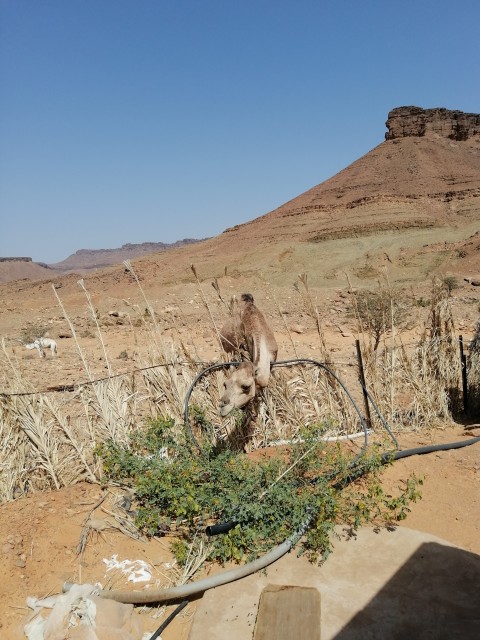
(224, 385)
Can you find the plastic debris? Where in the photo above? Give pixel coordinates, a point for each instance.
(135, 570)
(82, 614)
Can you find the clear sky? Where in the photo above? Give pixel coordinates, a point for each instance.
(155, 120)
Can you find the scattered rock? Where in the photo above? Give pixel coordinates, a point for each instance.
(297, 328)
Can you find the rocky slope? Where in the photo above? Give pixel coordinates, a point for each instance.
(418, 177)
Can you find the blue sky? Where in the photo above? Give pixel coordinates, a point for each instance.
(155, 120)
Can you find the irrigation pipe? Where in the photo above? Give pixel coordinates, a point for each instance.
(186, 590)
(225, 577)
(430, 449)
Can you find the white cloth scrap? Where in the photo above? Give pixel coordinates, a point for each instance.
(136, 570)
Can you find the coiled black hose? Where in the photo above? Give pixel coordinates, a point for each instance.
(354, 469)
(280, 363)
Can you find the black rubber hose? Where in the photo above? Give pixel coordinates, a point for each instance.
(166, 622)
(430, 449)
(280, 363)
(215, 529)
(216, 580)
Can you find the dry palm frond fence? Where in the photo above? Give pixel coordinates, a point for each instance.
(49, 437)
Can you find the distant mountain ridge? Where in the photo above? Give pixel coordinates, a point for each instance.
(99, 258)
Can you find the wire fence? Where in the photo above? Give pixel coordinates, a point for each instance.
(347, 362)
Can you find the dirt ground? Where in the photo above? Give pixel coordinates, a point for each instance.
(40, 533)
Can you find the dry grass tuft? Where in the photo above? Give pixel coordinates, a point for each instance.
(416, 387)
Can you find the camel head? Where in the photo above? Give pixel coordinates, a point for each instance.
(239, 388)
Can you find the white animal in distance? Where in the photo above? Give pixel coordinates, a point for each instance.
(40, 344)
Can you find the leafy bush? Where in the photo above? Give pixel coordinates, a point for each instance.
(378, 310)
(269, 499)
(450, 283)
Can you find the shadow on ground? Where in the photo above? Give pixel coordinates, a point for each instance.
(433, 595)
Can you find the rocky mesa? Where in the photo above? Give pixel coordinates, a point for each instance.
(406, 122)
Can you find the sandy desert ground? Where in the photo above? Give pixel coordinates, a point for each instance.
(40, 533)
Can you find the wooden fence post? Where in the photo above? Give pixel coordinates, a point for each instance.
(463, 365)
(364, 385)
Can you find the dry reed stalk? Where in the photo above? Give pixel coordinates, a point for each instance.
(216, 286)
(111, 407)
(32, 419)
(71, 439)
(108, 404)
(199, 550)
(312, 310)
(336, 400)
(420, 387)
(157, 334)
(74, 334)
(166, 388)
(18, 381)
(206, 305)
(14, 455)
(81, 284)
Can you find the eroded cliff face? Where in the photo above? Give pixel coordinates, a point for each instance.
(406, 122)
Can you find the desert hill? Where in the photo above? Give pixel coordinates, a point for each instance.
(23, 268)
(420, 187)
(422, 178)
(409, 204)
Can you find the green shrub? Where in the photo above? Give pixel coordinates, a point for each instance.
(270, 499)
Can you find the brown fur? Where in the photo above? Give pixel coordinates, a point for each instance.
(248, 331)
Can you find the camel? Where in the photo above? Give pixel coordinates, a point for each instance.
(42, 343)
(249, 333)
